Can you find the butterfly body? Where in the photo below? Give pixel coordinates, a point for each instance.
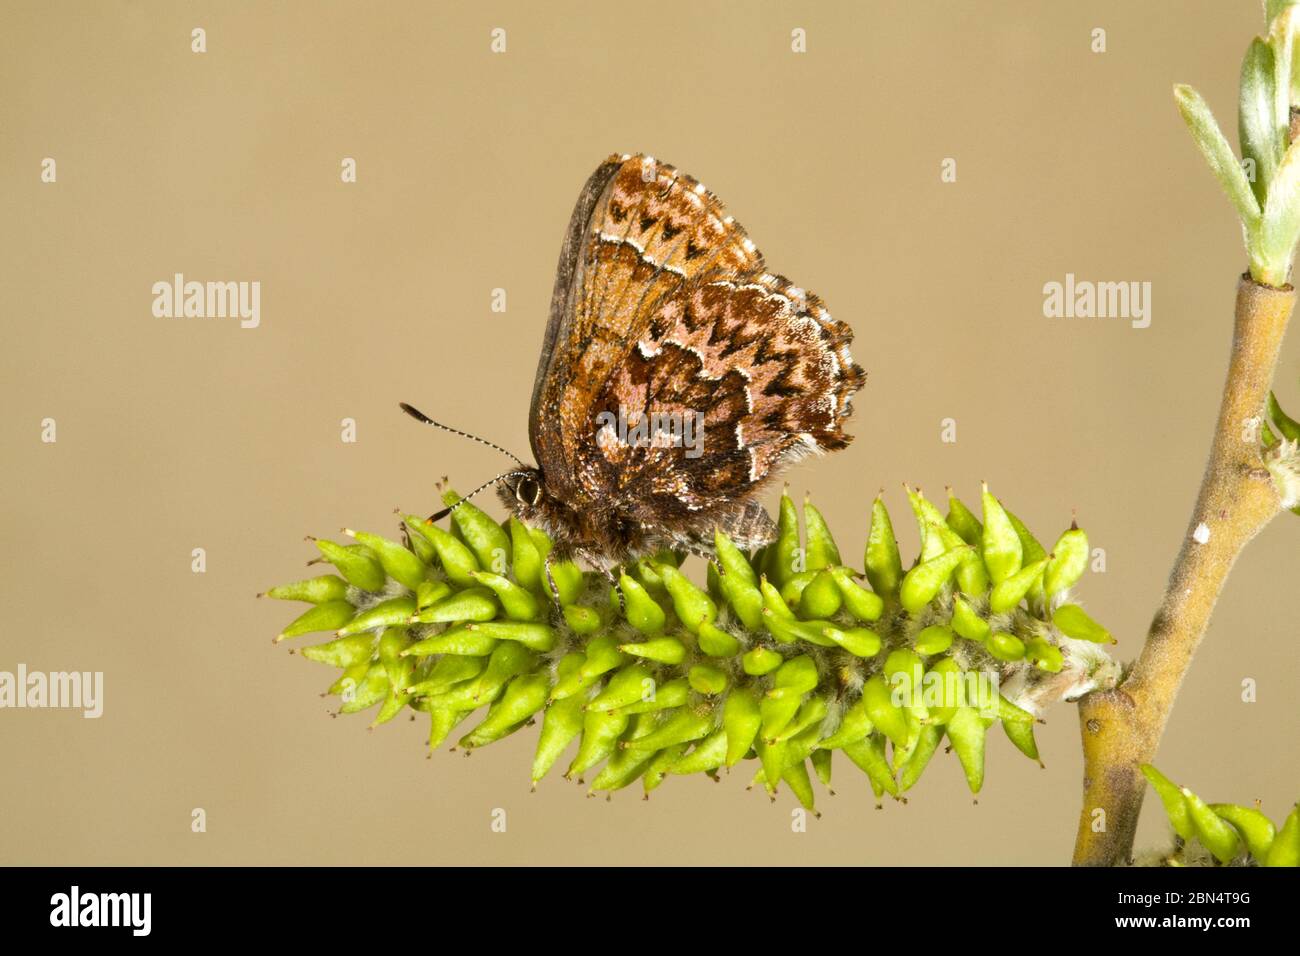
(677, 375)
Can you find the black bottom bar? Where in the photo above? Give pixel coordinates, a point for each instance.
(335, 906)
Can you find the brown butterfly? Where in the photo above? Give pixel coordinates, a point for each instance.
(677, 375)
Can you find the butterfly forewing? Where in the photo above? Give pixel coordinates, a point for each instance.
(664, 315)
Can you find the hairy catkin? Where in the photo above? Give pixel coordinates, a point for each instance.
(787, 656)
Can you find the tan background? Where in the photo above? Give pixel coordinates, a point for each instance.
(176, 434)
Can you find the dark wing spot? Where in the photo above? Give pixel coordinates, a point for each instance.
(691, 317)
(670, 230)
(765, 353)
(692, 250)
(647, 222)
(731, 349)
(720, 331)
(617, 212)
(781, 385)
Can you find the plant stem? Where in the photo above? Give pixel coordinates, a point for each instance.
(1121, 728)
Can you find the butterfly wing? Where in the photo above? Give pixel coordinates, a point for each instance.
(552, 365)
(765, 370)
(638, 232)
(663, 308)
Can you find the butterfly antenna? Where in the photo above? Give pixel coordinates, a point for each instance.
(419, 416)
(438, 516)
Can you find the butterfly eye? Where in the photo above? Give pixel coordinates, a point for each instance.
(528, 491)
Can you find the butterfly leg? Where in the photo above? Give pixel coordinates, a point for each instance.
(693, 544)
(618, 589)
(608, 571)
(711, 560)
(552, 586)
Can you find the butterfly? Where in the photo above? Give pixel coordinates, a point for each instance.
(677, 376)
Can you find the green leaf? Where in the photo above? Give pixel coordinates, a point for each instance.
(1281, 37)
(1210, 140)
(1274, 244)
(1287, 425)
(1256, 117)
(1172, 797)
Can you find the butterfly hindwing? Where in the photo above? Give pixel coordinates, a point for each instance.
(757, 365)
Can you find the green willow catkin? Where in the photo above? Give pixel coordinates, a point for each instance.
(1223, 834)
(786, 657)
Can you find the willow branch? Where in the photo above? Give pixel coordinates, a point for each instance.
(1122, 728)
